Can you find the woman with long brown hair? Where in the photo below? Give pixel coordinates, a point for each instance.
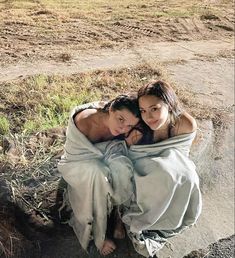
(167, 195)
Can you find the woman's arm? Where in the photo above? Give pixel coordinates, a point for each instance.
(186, 124)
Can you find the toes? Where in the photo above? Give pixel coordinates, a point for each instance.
(108, 248)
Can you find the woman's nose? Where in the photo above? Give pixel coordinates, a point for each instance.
(149, 115)
(122, 129)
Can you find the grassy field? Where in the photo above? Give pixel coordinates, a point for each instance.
(104, 10)
(42, 102)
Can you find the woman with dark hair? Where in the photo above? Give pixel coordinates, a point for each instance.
(167, 195)
(162, 115)
(96, 168)
(116, 118)
(160, 110)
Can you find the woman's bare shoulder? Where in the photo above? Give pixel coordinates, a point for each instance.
(84, 119)
(185, 124)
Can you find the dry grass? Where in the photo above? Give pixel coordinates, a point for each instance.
(42, 102)
(106, 11)
(28, 157)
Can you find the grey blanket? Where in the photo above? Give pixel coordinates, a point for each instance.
(98, 176)
(155, 186)
(167, 199)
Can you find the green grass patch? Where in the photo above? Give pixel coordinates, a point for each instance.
(55, 112)
(42, 102)
(106, 11)
(4, 125)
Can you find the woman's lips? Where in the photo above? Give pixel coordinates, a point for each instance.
(117, 132)
(152, 123)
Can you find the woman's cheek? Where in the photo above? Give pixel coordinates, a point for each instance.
(143, 117)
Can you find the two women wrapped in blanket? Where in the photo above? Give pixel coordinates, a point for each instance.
(132, 153)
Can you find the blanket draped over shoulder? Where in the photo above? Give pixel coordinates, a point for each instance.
(155, 186)
(167, 194)
(98, 176)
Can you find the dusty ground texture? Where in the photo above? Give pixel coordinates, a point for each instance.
(34, 32)
(42, 30)
(223, 248)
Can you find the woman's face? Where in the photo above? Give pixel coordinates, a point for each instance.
(121, 121)
(153, 111)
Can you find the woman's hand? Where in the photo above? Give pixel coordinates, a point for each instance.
(133, 137)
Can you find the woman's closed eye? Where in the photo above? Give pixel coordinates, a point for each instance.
(121, 120)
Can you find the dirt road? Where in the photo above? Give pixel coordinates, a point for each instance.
(162, 52)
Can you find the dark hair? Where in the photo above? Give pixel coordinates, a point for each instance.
(166, 93)
(129, 102)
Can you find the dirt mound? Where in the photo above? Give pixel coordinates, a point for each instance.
(222, 248)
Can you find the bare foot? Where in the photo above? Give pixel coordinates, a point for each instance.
(119, 230)
(108, 247)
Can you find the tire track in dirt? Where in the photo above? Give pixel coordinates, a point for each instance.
(97, 31)
(45, 34)
(145, 31)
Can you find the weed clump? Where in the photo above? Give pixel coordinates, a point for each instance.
(4, 125)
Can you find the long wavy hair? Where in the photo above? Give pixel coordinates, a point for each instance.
(165, 92)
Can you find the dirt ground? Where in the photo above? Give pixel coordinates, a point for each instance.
(34, 31)
(223, 248)
(40, 31)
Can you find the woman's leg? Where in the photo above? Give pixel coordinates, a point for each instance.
(119, 229)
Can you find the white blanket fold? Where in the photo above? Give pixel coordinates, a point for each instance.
(155, 186)
(98, 177)
(168, 197)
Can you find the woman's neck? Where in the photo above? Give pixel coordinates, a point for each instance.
(162, 133)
